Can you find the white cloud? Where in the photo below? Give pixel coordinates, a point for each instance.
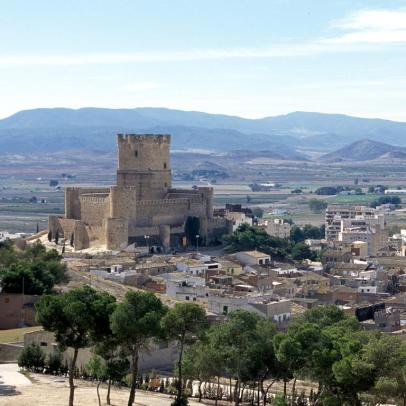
(373, 19)
(356, 32)
(372, 27)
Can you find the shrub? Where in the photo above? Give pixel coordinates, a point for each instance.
(54, 362)
(32, 357)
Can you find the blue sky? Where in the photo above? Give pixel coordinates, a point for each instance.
(251, 58)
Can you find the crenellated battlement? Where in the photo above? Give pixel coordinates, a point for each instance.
(144, 138)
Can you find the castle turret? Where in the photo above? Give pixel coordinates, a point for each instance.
(143, 162)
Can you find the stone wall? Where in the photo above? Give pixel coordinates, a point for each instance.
(94, 207)
(72, 201)
(171, 212)
(116, 233)
(158, 356)
(10, 352)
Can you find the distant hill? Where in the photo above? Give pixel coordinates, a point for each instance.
(47, 130)
(365, 150)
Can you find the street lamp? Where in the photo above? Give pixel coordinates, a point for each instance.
(197, 242)
(147, 242)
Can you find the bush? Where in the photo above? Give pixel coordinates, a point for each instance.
(32, 357)
(181, 401)
(54, 362)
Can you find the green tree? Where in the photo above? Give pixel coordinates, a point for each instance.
(235, 340)
(302, 251)
(135, 322)
(317, 205)
(34, 269)
(387, 354)
(96, 367)
(248, 237)
(184, 323)
(192, 229)
(297, 234)
(78, 318)
(32, 357)
(117, 365)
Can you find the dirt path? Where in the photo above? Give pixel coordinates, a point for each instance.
(54, 391)
(10, 379)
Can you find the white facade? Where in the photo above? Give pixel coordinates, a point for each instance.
(367, 289)
(253, 258)
(193, 289)
(263, 305)
(238, 218)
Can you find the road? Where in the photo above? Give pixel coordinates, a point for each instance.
(10, 379)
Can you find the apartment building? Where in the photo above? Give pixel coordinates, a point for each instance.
(350, 224)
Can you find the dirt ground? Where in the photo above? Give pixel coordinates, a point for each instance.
(54, 391)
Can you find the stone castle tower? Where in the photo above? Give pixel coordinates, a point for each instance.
(143, 162)
(142, 202)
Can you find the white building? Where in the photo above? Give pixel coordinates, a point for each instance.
(197, 265)
(354, 224)
(190, 288)
(238, 218)
(253, 258)
(266, 306)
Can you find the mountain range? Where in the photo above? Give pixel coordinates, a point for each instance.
(289, 136)
(365, 150)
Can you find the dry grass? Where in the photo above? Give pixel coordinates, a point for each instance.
(54, 391)
(16, 334)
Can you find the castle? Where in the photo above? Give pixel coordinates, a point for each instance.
(141, 204)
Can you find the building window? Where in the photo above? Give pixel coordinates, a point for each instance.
(166, 184)
(164, 165)
(194, 299)
(136, 153)
(187, 297)
(43, 344)
(225, 309)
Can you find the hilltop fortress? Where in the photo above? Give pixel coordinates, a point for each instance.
(142, 203)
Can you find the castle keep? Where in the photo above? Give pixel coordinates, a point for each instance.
(142, 202)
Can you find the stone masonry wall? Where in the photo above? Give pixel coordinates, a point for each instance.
(94, 208)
